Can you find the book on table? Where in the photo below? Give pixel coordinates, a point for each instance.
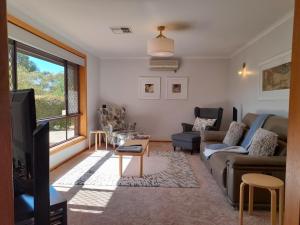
(130, 148)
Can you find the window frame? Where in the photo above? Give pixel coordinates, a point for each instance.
(31, 51)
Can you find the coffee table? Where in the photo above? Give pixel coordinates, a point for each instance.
(145, 148)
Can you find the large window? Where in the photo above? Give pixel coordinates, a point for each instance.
(56, 85)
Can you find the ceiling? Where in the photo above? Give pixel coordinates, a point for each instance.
(200, 28)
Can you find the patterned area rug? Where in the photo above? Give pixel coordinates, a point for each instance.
(161, 169)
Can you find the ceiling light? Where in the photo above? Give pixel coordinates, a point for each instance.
(160, 46)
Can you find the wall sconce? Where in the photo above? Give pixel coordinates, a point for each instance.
(243, 71)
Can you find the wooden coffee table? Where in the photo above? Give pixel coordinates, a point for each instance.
(145, 145)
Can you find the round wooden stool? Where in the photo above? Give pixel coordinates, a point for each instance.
(262, 181)
(97, 137)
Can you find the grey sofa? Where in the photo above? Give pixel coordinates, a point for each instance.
(189, 139)
(228, 168)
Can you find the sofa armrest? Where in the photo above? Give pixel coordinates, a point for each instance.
(239, 161)
(187, 127)
(212, 136)
(238, 165)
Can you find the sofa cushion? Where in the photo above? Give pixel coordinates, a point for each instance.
(187, 136)
(264, 143)
(234, 133)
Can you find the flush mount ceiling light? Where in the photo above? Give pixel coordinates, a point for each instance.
(160, 46)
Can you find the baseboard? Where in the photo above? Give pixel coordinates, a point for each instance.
(159, 140)
(68, 159)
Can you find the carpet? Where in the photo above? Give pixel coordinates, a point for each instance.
(161, 169)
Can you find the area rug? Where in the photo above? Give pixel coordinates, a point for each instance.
(101, 169)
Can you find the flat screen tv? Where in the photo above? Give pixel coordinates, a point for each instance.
(23, 125)
(30, 143)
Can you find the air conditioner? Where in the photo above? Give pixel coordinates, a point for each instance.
(164, 64)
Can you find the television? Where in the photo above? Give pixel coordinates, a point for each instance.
(30, 143)
(23, 125)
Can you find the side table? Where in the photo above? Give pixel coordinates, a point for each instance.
(97, 134)
(262, 181)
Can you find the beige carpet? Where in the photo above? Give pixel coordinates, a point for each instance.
(205, 205)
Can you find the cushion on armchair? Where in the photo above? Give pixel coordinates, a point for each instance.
(200, 123)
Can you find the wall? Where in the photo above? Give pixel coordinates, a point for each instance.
(160, 118)
(245, 90)
(92, 83)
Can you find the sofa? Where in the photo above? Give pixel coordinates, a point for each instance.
(227, 168)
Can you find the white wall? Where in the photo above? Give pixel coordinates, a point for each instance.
(245, 90)
(92, 83)
(118, 84)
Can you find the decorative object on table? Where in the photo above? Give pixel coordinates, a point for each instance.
(177, 88)
(275, 75)
(97, 134)
(149, 87)
(264, 143)
(141, 137)
(163, 169)
(266, 182)
(160, 46)
(112, 120)
(190, 139)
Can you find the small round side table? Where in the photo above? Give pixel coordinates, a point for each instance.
(97, 134)
(262, 181)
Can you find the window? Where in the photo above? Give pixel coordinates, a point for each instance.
(56, 85)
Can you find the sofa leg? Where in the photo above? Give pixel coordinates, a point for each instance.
(174, 147)
(192, 152)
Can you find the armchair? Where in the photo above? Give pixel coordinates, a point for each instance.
(190, 139)
(207, 113)
(112, 120)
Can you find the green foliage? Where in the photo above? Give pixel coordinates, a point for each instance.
(23, 60)
(48, 88)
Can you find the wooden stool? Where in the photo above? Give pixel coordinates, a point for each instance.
(262, 181)
(97, 136)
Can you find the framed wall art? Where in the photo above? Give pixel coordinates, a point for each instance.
(177, 88)
(149, 87)
(274, 77)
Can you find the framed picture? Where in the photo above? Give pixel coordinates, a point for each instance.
(149, 87)
(275, 75)
(177, 88)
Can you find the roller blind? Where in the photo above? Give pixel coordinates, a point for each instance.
(18, 34)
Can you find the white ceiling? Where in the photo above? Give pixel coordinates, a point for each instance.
(200, 28)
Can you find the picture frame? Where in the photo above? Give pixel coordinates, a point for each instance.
(274, 77)
(149, 87)
(176, 88)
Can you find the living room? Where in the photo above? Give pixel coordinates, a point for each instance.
(98, 70)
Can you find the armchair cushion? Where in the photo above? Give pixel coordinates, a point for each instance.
(201, 123)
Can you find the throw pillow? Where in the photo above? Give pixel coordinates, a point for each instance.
(200, 123)
(234, 133)
(264, 143)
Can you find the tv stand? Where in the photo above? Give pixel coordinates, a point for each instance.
(24, 210)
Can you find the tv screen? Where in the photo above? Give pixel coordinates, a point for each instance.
(23, 116)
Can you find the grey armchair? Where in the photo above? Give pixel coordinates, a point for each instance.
(190, 139)
(208, 113)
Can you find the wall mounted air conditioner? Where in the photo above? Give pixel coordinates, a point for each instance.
(164, 64)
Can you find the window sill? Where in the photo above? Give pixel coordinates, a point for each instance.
(67, 144)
